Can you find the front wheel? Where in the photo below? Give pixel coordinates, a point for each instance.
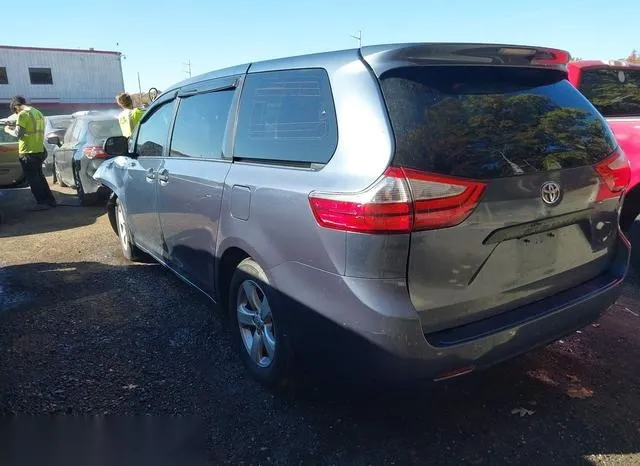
(258, 334)
(129, 250)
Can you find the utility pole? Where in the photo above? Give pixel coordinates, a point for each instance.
(188, 65)
(358, 38)
(139, 85)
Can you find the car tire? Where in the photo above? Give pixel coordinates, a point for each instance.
(257, 333)
(86, 199)
(129, 250)
(633, 235)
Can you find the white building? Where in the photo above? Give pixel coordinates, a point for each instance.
(60, 81)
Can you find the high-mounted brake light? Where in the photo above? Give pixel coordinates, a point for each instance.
(94, 152)
(551, 57)
(615, 175)
(402, 200)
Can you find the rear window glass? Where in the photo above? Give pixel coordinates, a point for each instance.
(102, 129)
(287, 116)
(490, 122)
(614, 92)
(60, 123)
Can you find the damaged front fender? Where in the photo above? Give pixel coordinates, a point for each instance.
(112, 173)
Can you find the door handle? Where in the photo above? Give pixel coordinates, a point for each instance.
(163, 175)
(151, 174)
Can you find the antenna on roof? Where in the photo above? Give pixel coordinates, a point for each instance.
(358, 38)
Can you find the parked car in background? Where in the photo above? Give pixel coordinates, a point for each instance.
(467, 212)
(613, 87)
(11, 173)
(58, 124)
(80, 153)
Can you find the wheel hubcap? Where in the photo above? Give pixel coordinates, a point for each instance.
(256, 323)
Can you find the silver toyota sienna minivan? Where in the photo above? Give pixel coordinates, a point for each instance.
(407, 211)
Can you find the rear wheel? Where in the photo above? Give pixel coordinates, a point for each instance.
(633, 234)
(129, 250)
(630, 224)
(258, 334)
(86, 199)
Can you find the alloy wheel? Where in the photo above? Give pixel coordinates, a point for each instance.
(255, 321)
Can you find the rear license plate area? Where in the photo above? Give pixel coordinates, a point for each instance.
(537, 251)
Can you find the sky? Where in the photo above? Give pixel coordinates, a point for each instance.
(159, 37)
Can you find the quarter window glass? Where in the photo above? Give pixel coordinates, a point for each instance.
(287, 116)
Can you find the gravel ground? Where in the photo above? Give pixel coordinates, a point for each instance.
(84, 332)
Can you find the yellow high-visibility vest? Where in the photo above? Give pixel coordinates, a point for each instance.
(32, 122)
(129, 119)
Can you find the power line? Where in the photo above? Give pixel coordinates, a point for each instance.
(188, 65)
(358, 38)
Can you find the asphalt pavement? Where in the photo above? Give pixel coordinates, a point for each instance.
(84, 333)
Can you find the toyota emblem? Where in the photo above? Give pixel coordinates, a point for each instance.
(551, 193)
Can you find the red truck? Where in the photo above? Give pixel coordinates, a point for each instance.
(614, 89)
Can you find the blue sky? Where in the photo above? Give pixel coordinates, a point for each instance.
(157, 37)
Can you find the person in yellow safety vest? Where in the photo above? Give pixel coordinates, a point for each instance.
(29, 129)
(129, 117)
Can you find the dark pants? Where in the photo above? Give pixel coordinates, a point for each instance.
(32, 168)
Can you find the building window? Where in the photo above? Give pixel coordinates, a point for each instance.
(4, 79)
(40, 76)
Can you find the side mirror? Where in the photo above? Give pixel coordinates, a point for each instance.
(116, 145)
(54, 138)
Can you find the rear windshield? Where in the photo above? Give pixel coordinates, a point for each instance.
(60, 123)
(102, 129)
(490, 122)
(614, 92)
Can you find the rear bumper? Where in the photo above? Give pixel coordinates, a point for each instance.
(368, 328)
(88, 169)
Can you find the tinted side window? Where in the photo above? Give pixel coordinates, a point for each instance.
(200, 126)
(288, 116)
(614, 92)
(152, 134)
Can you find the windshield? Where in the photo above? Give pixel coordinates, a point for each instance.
(614, 92)
(490, 122)
(102, 129)
(6, 138)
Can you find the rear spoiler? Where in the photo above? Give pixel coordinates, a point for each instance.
(382, 58)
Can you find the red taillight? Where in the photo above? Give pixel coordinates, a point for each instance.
(402, 200)
(94, 152)
(383, 208)
(440, 201)
(615, 174)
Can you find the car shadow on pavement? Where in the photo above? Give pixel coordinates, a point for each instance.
(17, 220)
(86, 337)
